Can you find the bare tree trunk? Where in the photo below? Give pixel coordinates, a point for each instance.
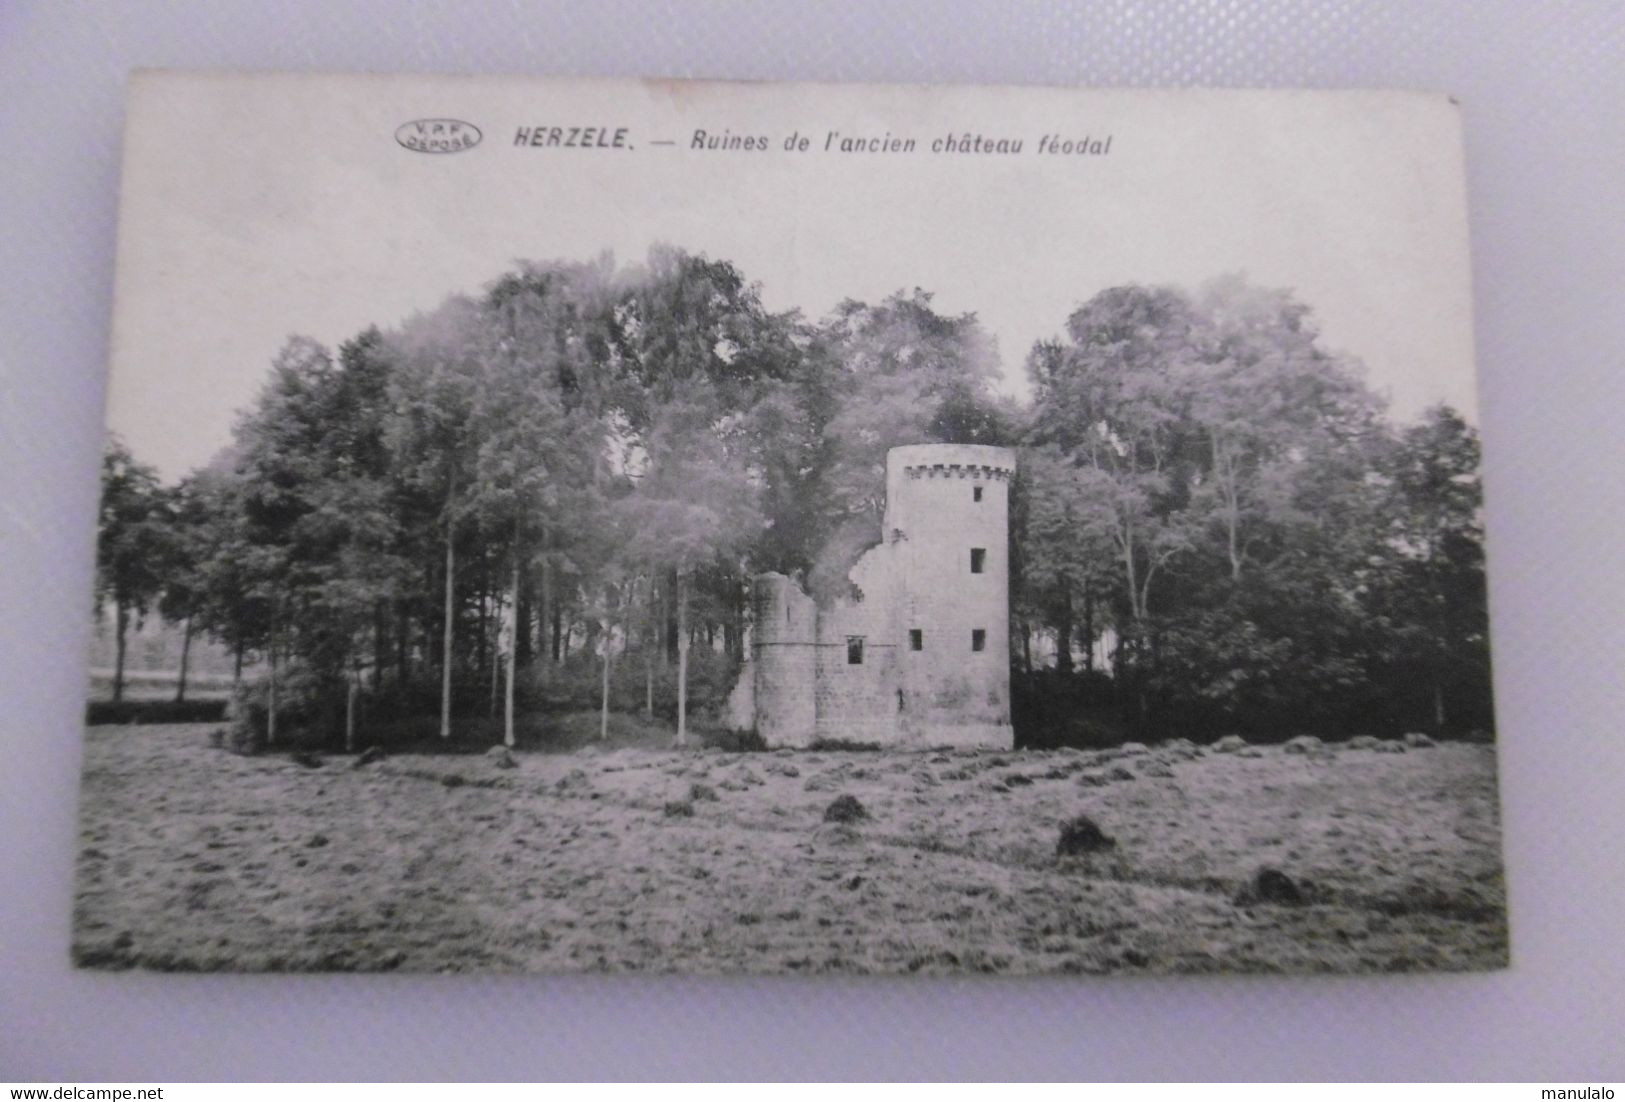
(123, 622)
(482, 635)
(545, 606)
(1063, 630)
(377, 645)
(513, 644)
(186, 655)
(603, 713)
(682, 660)
(349, 712)
(270, 698)
(1088, 628)
(521, 621)
(403, 643)
(649, 639)
(445, 651)
(496, 659)
(1224, 473)
(669, 645)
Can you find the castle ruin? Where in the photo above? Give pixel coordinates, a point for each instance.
(918, 654)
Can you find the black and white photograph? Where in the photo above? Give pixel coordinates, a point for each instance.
(652, 526)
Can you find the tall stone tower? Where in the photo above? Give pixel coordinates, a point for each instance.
(947, 525)
(919, 652)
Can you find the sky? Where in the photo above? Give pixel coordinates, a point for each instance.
(254, 207)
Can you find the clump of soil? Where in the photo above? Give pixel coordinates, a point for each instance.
(1416, 740)
(679, 809)
(306, 758)
(368, 756)
(1081, 835)
(1303, 744)
(1271, 885)
(1362, 742)
(845, 809)
(1182, 748)
(698, 792)
(743, 779)
(1229, 744)
(502, 758)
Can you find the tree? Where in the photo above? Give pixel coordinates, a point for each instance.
(232, 606)
(539, 458)
(1222, 455)
(908, 375)
(319, 527)
(694, 504)
(184, 599)
(1111, 399)
(1430, 582)
(432, 438)
(694, 356)
(900, 373)
(1061, 539)
(133, 534)
(1271, 408)
(351, 535)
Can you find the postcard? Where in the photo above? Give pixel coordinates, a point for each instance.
(649, 526)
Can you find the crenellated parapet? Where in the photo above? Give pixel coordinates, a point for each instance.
(958, 470)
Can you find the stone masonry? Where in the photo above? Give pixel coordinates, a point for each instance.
(919, 654)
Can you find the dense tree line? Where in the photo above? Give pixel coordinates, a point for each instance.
(1208, 484)
(584, 465)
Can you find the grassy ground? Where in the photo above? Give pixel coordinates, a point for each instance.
(195, 858)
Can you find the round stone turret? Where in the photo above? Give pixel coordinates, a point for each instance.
(947, 523)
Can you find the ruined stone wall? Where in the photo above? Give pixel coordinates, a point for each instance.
(784, 633)
(858, 701)
(920, 652)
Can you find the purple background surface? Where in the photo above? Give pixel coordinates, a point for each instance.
(1543, 87)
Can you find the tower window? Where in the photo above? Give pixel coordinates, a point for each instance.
(854, 650)
(978, 639)
(978, 559)
(976, 493)
(916, 639)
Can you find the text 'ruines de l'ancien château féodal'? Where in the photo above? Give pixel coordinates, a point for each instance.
(726, 140)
